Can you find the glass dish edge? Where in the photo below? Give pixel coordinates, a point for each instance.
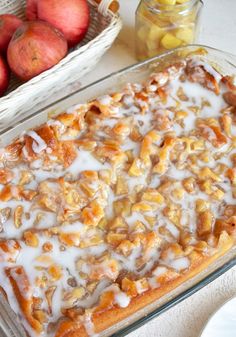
(8, 323)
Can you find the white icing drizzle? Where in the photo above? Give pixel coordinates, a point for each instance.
(105, 100)
(88, 324)
(160, 270)
(122, 299)
(208, 68)
(38, 143)
(85, 161)
(180, 264)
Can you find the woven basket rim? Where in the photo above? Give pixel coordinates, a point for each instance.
(115, 20)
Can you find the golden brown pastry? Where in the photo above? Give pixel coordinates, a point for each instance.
(115, 202)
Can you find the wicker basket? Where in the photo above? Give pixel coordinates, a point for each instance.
(64, 77)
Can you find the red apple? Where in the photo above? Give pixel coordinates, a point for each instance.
(71, 17)
(8, 25)
(35, 47)
(31, 9)
(4, 76)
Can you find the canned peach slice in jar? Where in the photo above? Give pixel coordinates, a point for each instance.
(162, 25)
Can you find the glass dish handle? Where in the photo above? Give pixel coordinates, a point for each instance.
(9, 325)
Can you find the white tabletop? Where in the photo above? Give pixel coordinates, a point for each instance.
(218, 30)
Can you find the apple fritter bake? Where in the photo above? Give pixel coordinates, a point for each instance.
(112, 204)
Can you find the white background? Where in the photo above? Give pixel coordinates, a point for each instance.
(218, 30)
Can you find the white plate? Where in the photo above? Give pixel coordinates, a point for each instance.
(223, 322)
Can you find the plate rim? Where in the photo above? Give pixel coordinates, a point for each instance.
(214, 313)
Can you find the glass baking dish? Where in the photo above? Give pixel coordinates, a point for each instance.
(224, 63)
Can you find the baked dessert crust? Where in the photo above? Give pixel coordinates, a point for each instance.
(116, 202)
(102, 320)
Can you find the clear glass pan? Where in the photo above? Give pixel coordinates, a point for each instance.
(226, 64)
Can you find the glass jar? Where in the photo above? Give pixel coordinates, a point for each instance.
(162, 25)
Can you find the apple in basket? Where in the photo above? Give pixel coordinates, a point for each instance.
(71, 17)
(35, 47)
(4, 76)
(8, 25)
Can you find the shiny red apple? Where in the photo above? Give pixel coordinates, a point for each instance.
(35, 47)
(8, 25)
(31, 9)
(4, 76)
(71, 17)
